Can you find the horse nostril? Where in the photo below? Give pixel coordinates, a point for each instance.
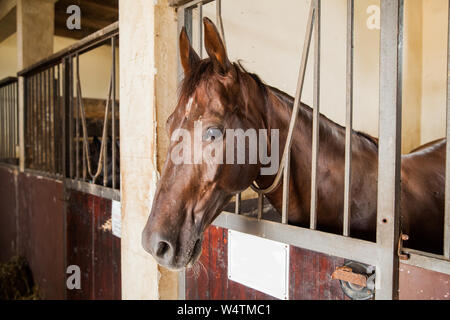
(162, 249)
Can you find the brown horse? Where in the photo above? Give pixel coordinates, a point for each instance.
(223, 95)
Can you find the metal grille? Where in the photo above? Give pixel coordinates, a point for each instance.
(383, 253)
(66, 134)
(9, 124)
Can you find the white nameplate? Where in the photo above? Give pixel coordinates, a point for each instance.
(259, 263)
(116, 218)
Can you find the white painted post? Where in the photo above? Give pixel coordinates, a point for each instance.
(137, 143)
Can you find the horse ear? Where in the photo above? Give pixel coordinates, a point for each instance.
(188, 56)
(215, 47)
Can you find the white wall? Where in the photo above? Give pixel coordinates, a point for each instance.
(268, 39)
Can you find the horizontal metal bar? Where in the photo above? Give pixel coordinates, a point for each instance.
(427, 261)
(318, 241)
(78, 47)
(94, 189)
(48, 175)
(7, 81)
(185, 4)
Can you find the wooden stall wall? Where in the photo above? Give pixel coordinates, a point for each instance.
(8, 213)
(92, 246)
(33, 213)
(41, 232)
(310, 274)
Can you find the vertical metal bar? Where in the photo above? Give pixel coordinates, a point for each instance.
(200, 30)
(316, 117)
(219, 21)
(260, 205)
(389, 158)
(8, 120)
(7, 123)
(66, 121)
(113, 113)
(447, 164)
(41, 117)
(17, 115)
(29, 110)
(59, 124)
(2, 105)
(2, 135)
(53, 121)
(237, 208)
(188, 22)
(47, 122)
(70, 132)
(286, 189)
(35, 122)
(11, 117)
(77, 124)
(349, 118)
(1, 122)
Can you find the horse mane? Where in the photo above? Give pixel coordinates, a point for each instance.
(205, 69)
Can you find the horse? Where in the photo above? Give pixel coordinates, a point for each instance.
(222, 95)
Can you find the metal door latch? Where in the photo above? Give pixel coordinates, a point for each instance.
(357, 280)
(402, 255)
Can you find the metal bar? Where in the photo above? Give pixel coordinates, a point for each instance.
(8, 120)
(318, 241)
(298, 94)
(94, 189)
(53, 119)
(7, 123)
(187, 4)
(349, 118)
(2, 135)
(188, 22)
(17, 116)
(113, 113)
(88, 43)
(237, 208)
(41, 117)
(59, 123)
(200, 30)
(260, 205)
(1, 122)
(182, 284)
(286, 189)
(71, 102)
(388, 210)
(316, 117)
(447, 164)
(66, 167)
(29, 111)
(77, 125)
(47, 122)
(219, 21)
(427, 261)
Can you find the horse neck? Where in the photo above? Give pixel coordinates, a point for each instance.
(276, 114)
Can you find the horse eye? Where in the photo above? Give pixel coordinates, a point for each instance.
(212, 134)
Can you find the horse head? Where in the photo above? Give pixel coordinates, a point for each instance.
(194, 186)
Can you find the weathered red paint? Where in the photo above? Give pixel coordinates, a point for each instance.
(8, 214)
(309, 272)
(91, 246)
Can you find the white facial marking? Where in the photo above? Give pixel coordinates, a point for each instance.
(189, 105)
